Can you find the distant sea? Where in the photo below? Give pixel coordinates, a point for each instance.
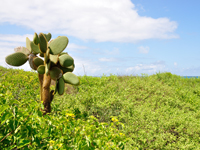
(191, 76)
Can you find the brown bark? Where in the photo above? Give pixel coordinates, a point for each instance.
(45, 94)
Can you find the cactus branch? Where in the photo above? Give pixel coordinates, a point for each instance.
(55, 65)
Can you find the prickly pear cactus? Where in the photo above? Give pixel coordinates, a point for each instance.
(55, 65)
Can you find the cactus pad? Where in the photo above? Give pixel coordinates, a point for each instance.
(61, 86)
(54, 59)
(31, 63)
(28, 43)
(63, 53)
(67, 69)
(48, 37)
(58, 45)
(16, 59)
(66, 60)
(34, 48)
(55, 73)
(36, 39)
(41, 69)
(24, 50)
(71, 78)
(38, 61)
(43, 43)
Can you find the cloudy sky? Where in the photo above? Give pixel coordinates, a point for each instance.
(121, 37)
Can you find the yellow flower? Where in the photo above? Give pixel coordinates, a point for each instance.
(114, 119)
(121, 134)
(70, 115)
(59, 145)
(51, 142)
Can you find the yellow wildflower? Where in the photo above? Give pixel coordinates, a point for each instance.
(70, 115)
(114, 119)
(59, 145)
(51, 142)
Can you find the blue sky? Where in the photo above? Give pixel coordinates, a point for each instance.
(120, 37)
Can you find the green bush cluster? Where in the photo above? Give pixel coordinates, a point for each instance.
(160, 111)
(22, 125)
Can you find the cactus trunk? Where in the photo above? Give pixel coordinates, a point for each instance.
(45, 94)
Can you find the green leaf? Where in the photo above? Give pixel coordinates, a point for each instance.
(48, 36)
(58, 45)
(43, 43)
(38, 61)
(34, 48)
(23, 143)
(61, 86)
(3, 108)
(66, 60)
(71, 78)
(41, 69)
(54, 58)
(5, 117)
(36, 39)
(16, 59)
(55, 73)
(28, 43)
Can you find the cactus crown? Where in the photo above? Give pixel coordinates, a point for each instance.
(57, 64)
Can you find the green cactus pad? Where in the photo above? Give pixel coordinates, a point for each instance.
(16, 59)
(71, 78)
(61, 86)
(68, 69)
(38, 61)
(28, 43)
(43, 43)
(56, 87)
(31, 63)
(34, 48)
(58, 45)
(48, 37)
(55, 73)
(24, 50)
(66, 60)
(54, 58)
(41, 69)
(36, 39)
(63, 53)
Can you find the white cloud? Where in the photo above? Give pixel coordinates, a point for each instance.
(147, 68)
(86, 67)
(105, 20)
(143, 50)
(7, 44)
(175, 64)
(75, 46)
(107, 59)
(15, 38)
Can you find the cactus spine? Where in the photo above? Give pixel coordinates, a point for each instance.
(55, 65)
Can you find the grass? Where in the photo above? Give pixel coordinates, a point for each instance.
(160, 111)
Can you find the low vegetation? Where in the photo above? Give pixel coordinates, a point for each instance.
(161, 111)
